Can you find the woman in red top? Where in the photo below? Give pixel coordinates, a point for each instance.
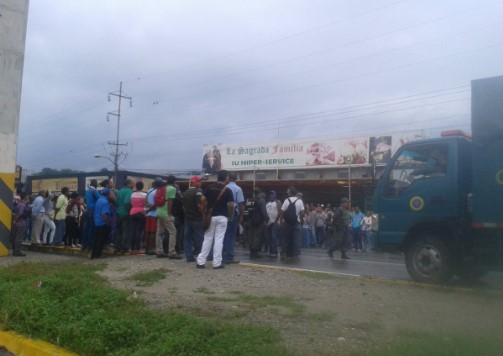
(137, 213)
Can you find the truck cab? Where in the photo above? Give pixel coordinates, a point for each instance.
(441, 200)
(424, 194)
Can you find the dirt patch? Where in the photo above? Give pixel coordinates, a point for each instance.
(315, 313)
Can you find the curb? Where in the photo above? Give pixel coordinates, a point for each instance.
(396, 282)
(24, 346)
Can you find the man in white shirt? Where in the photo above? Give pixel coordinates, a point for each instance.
(273, 208)
(291, 229)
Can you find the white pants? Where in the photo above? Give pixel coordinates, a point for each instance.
(48, 225)
(213, 237)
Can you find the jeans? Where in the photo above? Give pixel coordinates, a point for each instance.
(137, 226)
(230, 238)
(213, 237)
(257, 233)
(193, 237)
(320, 235)
(357, 238)
(290, 240)
(99, 240)
(308, 240)
(60, 232)
(123, 233)
(273, 235)
(366, 239)
(48, 226)
(87, 241)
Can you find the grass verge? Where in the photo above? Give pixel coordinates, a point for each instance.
(145, 279)
(72, 306)
(416, 343)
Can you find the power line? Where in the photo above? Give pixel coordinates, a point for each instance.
(269, 42)
(273, 123)
(359, 41)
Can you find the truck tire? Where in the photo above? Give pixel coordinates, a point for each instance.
(428, 260)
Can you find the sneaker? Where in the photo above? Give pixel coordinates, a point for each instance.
(345, 257)
(222, 266)
(198, 266)
(175, 257)
(191, 260)
(161, 255)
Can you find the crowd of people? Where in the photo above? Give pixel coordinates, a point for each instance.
(198, 225)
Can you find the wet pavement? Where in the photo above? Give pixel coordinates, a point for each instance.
(381, 265)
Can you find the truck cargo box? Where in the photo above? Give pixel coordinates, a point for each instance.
(487, 152)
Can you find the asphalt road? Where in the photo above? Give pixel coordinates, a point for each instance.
(381, 265)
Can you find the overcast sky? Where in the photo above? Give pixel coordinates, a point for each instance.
(226, 71)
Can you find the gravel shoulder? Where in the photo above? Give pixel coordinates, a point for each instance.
(315, 313)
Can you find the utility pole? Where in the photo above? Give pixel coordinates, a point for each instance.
(121, 95)
(14, 18)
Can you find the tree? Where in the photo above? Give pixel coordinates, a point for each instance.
(53, 171)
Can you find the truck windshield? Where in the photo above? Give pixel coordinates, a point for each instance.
(422, 162)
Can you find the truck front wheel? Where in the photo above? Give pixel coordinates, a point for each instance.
(428, 260)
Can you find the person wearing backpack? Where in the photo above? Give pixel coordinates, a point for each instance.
(91, 197)
(258, 223)
(123, 228)
(165, 219)
(21, 216)
(292, 214)
(193, 225)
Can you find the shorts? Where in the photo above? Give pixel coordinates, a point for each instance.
(150, 224)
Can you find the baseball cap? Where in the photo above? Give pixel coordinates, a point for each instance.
(158, 182)
(272, 192)
(344, 200)
(195, 179)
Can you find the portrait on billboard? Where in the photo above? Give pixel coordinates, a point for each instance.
(380, 149)
(212, 159)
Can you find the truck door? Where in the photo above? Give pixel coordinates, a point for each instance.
(416, 186)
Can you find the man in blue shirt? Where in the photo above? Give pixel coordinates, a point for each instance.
(233, 223)
(356, 224)
(101, 222)
(92, 196)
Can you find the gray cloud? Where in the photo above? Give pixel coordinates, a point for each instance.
(220, 71)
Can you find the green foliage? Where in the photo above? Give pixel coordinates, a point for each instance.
(203, 290)
(52, 171)
(145, 279)
(415, 343)
(72, 306)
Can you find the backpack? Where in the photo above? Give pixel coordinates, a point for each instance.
(290, 214)
(27, 211)
(256, 214)
(160, 197)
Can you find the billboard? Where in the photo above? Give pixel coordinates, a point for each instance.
(54, 184)
(305, 153)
